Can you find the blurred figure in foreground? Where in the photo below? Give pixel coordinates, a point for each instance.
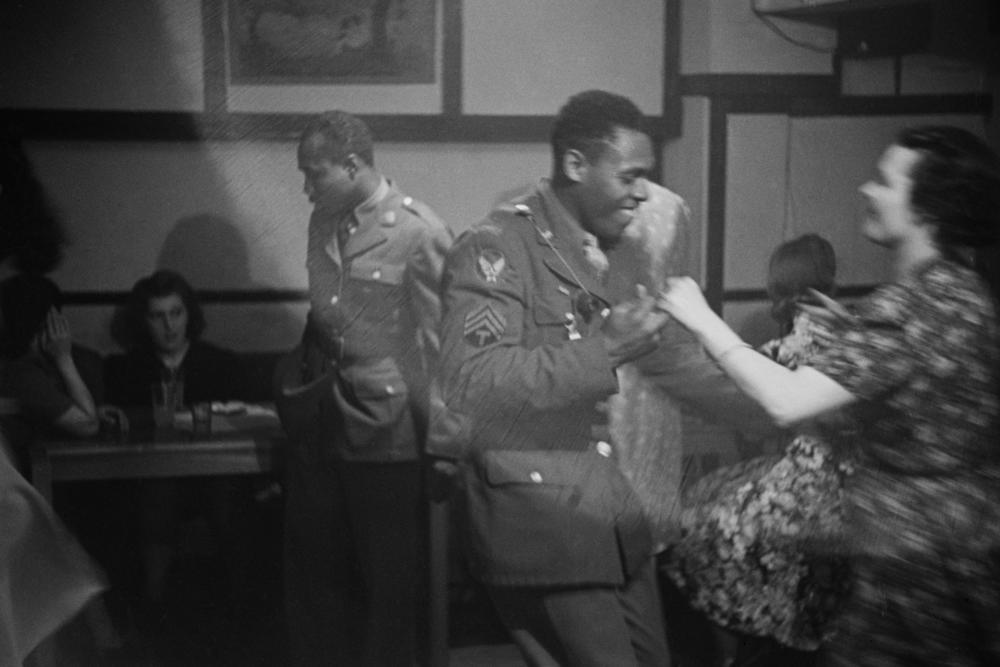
(46, 578)
(916, 366)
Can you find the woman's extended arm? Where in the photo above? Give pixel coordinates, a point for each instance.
(81, 418)
(788, 396)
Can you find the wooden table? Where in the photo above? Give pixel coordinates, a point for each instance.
(234, 448)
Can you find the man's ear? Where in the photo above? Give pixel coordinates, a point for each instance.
(574, 165)
(351, 164)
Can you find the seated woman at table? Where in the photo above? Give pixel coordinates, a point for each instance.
(164, 323)
(53, 384)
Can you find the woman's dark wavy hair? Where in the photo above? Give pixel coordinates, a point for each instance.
(956, 186)
(805, 262)
(30, 231)
(25, 301)
(160, 284)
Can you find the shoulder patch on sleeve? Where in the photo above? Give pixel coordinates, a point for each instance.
(490, 263)
(484, 326)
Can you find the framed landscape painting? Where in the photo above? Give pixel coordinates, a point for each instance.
(323, 42)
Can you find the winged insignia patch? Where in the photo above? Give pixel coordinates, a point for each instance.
(490, 264)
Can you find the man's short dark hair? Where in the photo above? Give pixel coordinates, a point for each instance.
(956, 185)
(588, 120)
(158, 285)
(342, 134)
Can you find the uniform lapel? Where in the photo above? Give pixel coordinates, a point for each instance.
(371, 216)
(564, 256)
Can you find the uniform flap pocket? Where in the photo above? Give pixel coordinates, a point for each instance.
(532, 467)
(380, 272)
(377, 379)
(549, 312)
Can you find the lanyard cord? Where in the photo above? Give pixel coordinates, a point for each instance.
(525, 212)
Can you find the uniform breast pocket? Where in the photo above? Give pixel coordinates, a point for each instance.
(376, 278)
(529, 474)
(554, 319)
(375, 294)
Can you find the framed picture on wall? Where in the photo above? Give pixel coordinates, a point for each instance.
(331, 41)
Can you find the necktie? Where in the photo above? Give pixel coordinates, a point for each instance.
(595, 256)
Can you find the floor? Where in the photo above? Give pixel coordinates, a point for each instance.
(202, 623)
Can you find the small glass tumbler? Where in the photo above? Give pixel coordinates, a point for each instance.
(201, 420)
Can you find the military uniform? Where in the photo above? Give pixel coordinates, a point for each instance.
(353, 400)
(524, 376)
(553, 525)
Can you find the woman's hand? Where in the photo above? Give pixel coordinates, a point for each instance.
(55, 339)
(685, 302)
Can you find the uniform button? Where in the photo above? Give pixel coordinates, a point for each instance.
(407, 201)
(334, 299)
(536, 477)
(376, 274)
(604, 448)
(390, 217)
(389, 389)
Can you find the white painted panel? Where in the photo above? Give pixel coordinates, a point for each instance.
(527, 57)
(756, 180)
(232, 215)
(685, 171)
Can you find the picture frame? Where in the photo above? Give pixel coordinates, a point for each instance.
(276, 42)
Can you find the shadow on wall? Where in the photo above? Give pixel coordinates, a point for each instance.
(212, 255)
(207, 250)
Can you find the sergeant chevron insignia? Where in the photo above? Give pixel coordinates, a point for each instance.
(484, 326)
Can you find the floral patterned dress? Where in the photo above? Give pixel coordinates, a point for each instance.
(922, 510)
(753, 534)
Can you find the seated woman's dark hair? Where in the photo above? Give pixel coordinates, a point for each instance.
(797, 265)
(956, 186)
(160, 284)
(25, 301)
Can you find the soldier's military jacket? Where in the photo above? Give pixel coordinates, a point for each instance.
(373, 322)
(524, 373)
(525, 380)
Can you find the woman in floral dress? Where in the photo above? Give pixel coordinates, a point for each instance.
(916, 366)
(741, 558)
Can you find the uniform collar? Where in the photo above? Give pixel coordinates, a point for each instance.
(567, 235)
(562, 223)
(367, 210)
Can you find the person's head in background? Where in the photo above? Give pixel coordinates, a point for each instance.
(163, 314)
(937, 185)
(31, 238)
(796, 266)
(336, 158)
(25, 301)
(601, 159)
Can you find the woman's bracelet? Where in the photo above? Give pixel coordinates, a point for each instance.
(736, 346)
